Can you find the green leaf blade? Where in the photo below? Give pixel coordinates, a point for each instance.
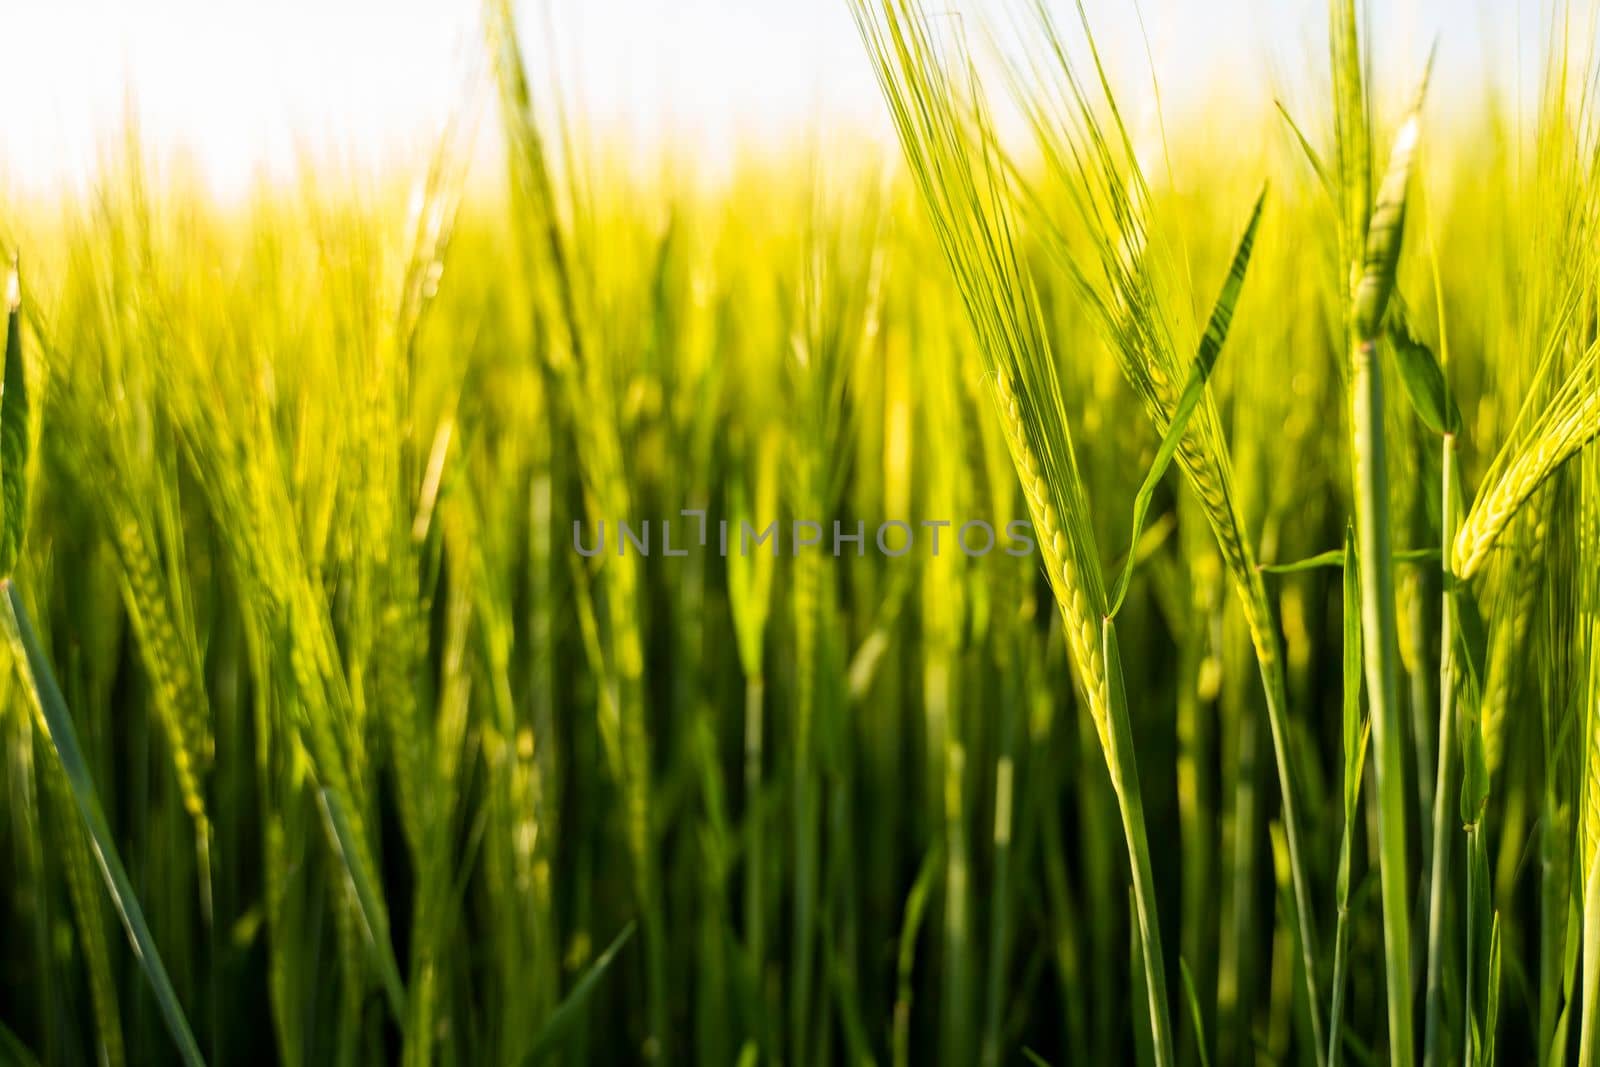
(15, 441)
(1386, 230)
(1423, 379)
(566, 1013)
(1205, 361)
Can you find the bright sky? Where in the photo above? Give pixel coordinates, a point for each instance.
(242, 86)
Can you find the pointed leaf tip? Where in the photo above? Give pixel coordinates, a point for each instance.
(15, 440)
(1205, 360)
(1422, 377)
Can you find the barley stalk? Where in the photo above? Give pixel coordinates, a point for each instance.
(1094, 159)
(1098, 667)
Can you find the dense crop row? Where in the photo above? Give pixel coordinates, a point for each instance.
(1268, 729)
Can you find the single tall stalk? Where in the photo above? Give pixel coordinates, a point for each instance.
(1442, 808)
(1380, 639)
(1130, 804)
(1001, 889)
(1380, 642)
(807, 801)
(1355, 754)
(1269, 659)
(754, 700)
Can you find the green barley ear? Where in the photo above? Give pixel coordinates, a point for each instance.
(1568, 423)
(1352, 126)
(951, 148)
(1089, 156)
(15, 441)
(1387, 228)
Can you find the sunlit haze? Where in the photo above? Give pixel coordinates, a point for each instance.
(246, 89)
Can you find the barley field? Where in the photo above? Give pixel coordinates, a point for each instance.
(1033, 591)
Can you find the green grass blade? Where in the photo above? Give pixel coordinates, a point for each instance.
(1205, 361)
(64, 739)
(1356, 732)
(1441, 829)
(1474, 774)
(1195, 1012)
(1334, 557)
(370, 901)
(1373, 536)
(1125, 780)
(1312, 157)
(13, 1053)
(905, 961)
(568, 1012)
(1480, 946)
(1386, 230)
(1491, 1011)
(1423, 379)
(1354, 728)
(15, 440)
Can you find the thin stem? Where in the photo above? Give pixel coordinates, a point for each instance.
(1431, 1052)
(1000, 886)
(754, 699)
(1130, 804)
(1277, 723)
(1341, 955)
(1381, 649)
(1354, 745)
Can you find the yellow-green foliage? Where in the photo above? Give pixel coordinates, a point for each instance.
(389, 763)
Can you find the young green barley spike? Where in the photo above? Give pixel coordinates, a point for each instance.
(65, 775)
(15, 428)
(576, 366)
(1095, 163)
(749, 593)
(1352, 123)
(949, 149)
(1567, 424)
